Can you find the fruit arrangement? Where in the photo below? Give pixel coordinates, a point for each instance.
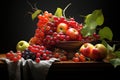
(52, 29)
(95, 52)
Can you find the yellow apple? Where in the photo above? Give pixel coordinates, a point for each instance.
(62, 27)
(22, 45)
(99, 52)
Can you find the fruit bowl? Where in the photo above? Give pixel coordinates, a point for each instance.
(69, 45)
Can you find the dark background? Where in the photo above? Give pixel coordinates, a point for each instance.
(16, 24)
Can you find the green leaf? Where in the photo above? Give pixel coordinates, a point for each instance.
(92, 20)
(104, 43)
(115, 62)
(100, 19)
(117, 53)
(96, 17)
(110, 49)
(106, 33)
(35, 14)
(58, 12)
(87, 31)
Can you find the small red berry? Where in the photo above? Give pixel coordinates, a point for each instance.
(37, 60)
(14, 59)
(75, 59)
(82, 58)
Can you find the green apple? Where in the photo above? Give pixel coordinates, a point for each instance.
(22, 45)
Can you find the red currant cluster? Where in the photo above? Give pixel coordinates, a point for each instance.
(42, 28)
(78, 57)
(60, 54)
(14, 56)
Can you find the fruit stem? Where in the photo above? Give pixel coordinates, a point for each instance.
(33, 8)
(66, 9)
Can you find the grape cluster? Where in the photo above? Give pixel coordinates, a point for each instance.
(36, 53)
(46, 33)
(27, 54)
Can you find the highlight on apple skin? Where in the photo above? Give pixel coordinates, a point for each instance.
(22, 45)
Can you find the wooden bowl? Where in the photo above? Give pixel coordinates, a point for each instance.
(69, 45)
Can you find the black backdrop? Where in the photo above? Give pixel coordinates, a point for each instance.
(17, 25)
